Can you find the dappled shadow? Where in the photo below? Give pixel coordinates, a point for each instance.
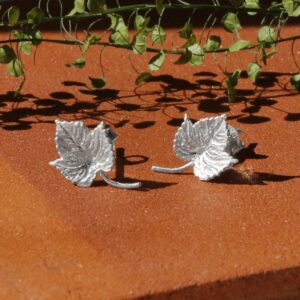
(253, 119)
(73, 83)
(143, 124)
(268, 79)
(281, 284)
(101, 95)
(214, 105)
(172, 96)
(173, 83)
(292, 117)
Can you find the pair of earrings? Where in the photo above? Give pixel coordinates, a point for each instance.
(208, 145)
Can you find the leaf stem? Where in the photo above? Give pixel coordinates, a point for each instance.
(134, 185)
(172, 170)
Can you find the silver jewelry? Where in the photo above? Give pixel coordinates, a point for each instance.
(209, 145)
(85, 153)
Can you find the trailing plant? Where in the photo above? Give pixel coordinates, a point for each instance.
(148, 35)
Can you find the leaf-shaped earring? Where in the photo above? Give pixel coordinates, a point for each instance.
(209, 145)
(83, 154)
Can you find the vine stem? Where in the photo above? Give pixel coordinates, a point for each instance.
(148, 49)
(141, 7)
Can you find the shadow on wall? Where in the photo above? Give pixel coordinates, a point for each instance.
(167, 94)
(277, 285)
(172, 96)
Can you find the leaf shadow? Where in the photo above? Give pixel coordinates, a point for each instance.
(213, 106)
(173, 83)
(249, 153)
(248, 177)
(25, 111)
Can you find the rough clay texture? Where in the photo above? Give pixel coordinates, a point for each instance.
(178, 238)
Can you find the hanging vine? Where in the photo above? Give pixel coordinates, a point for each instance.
(24, 34)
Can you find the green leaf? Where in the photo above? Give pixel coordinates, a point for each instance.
(37, 36)
(120, 34)
(231, 22)
(7, 54)
(197, 56)
(13, 15)
(295, 81)
(289, 6)
(26, 47)
(78, 63)
(239, 45)
(91, 38)
(252, 4)
(96, 6)
(140, 23)
(142, 77)
(35, 16)
(139, 40)
(79, 7)
(15, 68)
(30, 34)
(253, 71)
(98, 83)
(186, 31)
(213, 43)
(265, 55)
(231, 83)
(296, 12)
(184, 58)
(267, 35)
(160, 6)
(139, 43)
(156, 62)
(190, 41)
(233, 78)
(158, 35)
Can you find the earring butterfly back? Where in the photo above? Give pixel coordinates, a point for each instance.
(208, 145)
(84, 153)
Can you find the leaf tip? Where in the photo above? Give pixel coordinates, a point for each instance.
(52, 163)
(58, 122)
(223, 116)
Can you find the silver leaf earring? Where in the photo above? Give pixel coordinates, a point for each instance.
(208, 145)
(85, 153)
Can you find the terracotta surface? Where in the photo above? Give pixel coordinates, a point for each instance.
(178, 238)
